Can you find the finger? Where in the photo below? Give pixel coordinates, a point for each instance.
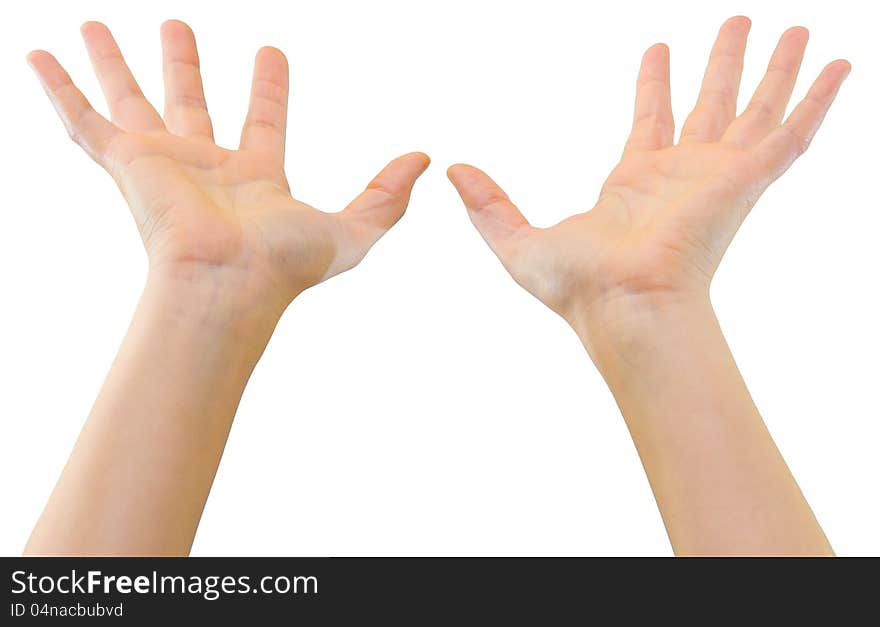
(653, 126)
(766, 108)
(716, 104)
(497, 219)
(86, 127)
(128, 107)
(785, 144)
(186, 112)
(385, 199)
(375, 210)
(266, 123)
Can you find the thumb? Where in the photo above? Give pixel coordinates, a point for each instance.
(497, 219)
(377, 209)
(382, 203)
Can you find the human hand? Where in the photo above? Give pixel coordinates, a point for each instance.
(210, 214)
(667, 212)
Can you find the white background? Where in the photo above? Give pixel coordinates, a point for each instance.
(423, 403)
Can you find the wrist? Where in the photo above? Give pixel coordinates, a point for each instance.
(227, 304)
(628, 327)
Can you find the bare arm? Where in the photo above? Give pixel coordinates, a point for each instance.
(229, 249)
(720, 483)
(632, 277)
(138, 478)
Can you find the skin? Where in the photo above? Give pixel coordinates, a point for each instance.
(229, 248)
(632, 277)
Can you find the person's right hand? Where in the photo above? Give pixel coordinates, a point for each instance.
(667, 212)
(204, 212)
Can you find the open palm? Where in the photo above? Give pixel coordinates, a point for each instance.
(198, 205)
(667, 213)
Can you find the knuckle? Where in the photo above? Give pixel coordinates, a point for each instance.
(74, 135)
(760, 108)
(799, 142)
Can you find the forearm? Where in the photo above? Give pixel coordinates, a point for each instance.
(720, 483)
(140, 472)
